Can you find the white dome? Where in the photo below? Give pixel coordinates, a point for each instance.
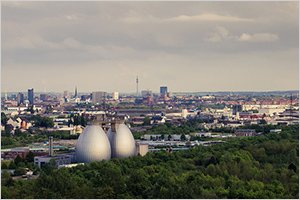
(92, 145)
(122, 142)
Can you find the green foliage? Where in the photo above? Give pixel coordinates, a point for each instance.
(20, 171)
(42, 121)
(147, 121)
(260, 167)
(6, 179)
(182, 137)
(4, 119)
(78, 120)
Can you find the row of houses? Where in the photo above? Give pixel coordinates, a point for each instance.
(19, 123)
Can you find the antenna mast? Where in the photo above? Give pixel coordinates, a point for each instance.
(137, 86)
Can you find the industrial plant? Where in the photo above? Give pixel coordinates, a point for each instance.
(102, 139)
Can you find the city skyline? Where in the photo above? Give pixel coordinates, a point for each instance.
(189, 47)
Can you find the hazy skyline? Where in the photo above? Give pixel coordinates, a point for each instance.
(187, 46)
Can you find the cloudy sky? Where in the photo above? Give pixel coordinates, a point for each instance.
(188, 46)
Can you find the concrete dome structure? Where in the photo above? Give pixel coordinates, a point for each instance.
(121, 141)
(93, 145)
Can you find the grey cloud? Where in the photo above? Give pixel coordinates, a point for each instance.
(258, 37)
(162, 41)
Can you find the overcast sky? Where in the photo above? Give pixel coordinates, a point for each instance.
(187, 46)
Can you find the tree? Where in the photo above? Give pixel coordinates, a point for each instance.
(48, 168)
(229, 170)
(3, 119)
(83, 121)
(182, 137)
(18, 160)
(12, 165)
(20, 172)
(30, 157)
(4, 165)
(147, 121)
(263, 121)
(18, 132)
(43, 121)
(6, 179)
(293, 167)
(8, 129)
(76, 120)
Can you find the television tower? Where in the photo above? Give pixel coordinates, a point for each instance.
(137, 86)
(75, 95)
(291, 106)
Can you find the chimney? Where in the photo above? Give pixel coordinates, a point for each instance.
(50, 146)
(113, 126)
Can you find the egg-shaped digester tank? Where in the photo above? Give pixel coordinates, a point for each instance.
(92, 145)
(121, 141)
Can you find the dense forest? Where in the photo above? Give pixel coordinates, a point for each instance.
(264, 166)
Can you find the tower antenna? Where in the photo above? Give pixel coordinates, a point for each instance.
(137, 86)
(75, 94)
(291, 106)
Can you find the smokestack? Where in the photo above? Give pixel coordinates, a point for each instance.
(113, 126)
(50, 146)
(115, 123)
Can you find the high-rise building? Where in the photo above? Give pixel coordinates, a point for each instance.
(43, 97)
(20, 98)
(163, 90)
(115, 96)
(236, 109)
(31, 96)
(85, 97)
(98, 97)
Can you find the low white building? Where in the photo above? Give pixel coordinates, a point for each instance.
(142, 149)
(62, 159)
(270, 111)
(203, 134)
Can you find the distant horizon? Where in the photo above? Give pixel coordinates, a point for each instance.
(173, 92)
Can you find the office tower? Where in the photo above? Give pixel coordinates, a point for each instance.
(236, 109)
(163, 90)
(137, 86)
(20, 98)
(43, 97)
(115, 96)
(98, 97)
(31, 96)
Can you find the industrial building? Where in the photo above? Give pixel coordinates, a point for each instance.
(94, 144)
(61, 159)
